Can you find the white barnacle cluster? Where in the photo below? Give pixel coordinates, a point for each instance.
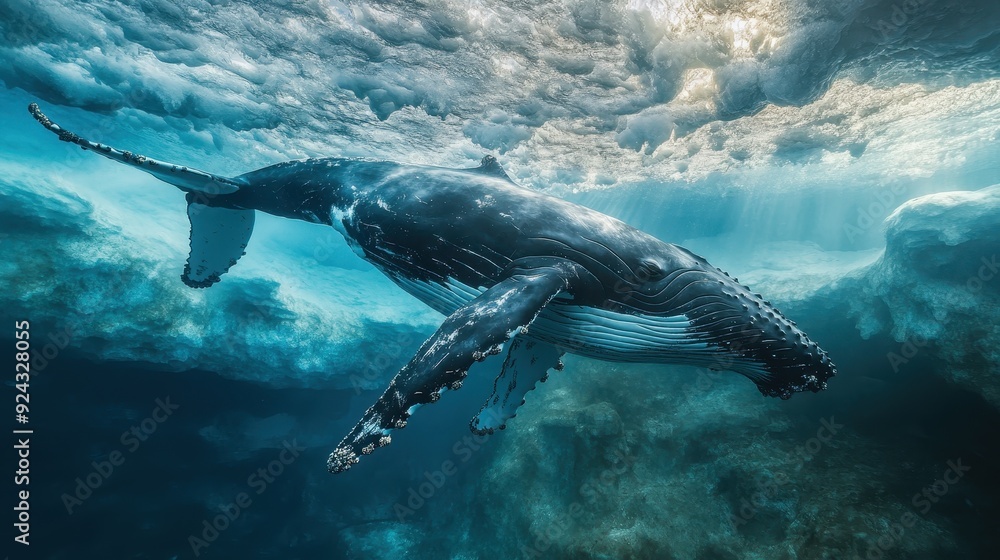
(342, 459)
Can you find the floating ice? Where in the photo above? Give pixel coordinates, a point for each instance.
(936, 289)
(580, 94)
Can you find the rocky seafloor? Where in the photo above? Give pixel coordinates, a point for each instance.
(613, 462)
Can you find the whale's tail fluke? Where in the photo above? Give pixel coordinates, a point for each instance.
(182, 177)
(219, 237)
(219, 234)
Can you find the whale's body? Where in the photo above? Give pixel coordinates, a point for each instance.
(507, 266)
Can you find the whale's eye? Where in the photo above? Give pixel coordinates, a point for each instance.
(649, 270)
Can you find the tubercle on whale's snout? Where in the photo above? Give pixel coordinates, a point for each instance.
(807, 367)
(772, 351)
(807, 382)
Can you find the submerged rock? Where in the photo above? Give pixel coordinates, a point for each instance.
(615, 462)
(936, 289)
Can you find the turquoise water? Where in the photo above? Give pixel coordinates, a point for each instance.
(839, 158)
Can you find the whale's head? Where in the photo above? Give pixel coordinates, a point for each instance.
(755, 339)
(770, 349)
(728, 327)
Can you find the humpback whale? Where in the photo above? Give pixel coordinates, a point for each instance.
(508, 266)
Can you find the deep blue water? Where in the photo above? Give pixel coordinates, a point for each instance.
(150, 505)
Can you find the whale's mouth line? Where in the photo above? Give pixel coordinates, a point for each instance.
(778, 365)
(725, 327)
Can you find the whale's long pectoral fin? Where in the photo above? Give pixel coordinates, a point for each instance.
(219, 237)
(185, 178)
(528, 362)
(473, 332)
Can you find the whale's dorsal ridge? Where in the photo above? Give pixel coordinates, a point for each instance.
(490, 166)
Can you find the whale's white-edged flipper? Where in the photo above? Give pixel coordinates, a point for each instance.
(528, 362)
(219, 237)
(184, 178)
(473, 332)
